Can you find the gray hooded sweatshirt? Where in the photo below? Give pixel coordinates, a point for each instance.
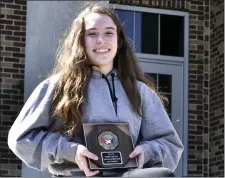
(31, 137)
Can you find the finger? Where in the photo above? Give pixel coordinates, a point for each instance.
(89, 155)
(85, 168)
(140, 161)
(83, 164)
(136, 152)
(140, 165)
(88, 172)
(92, 173)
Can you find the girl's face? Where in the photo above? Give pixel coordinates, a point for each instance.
(100, 40)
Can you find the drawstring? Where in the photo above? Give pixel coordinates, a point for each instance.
(112, 93)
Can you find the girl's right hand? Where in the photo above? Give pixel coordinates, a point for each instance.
(81, 161)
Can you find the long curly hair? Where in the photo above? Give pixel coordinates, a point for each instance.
(72, 68)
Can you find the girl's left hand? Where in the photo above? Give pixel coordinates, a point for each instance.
(139, 153)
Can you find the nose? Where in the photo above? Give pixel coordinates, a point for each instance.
(100, 39)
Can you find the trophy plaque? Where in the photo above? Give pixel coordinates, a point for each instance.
(112, 143)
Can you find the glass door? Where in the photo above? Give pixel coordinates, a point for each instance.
(168, 81)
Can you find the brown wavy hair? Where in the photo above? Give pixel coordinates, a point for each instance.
(72, 68)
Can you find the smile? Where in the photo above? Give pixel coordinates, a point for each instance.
(101, 50)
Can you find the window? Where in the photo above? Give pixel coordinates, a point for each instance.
(153, 33)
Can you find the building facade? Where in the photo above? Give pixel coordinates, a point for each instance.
(179, 43)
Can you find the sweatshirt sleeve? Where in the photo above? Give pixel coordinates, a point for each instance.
(29, 137)
(160, 141)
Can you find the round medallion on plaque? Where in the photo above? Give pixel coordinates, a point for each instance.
(108, 140)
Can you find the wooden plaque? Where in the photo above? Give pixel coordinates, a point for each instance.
(112, 143)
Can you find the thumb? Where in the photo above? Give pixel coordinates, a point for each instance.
(89, 155)
(136, 152)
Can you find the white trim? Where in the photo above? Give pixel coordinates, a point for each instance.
(159, 33)
(157, 82)
(148, 9)
(185, 100)
(174, 63)
(160, 57)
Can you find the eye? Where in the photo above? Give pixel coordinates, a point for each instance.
(109, 33)
(91, 34)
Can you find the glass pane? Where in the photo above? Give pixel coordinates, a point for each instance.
(138, 31)
(168, 105)
(171, 35)
(127, 19)
(149, 32)
(153, 77)
(165, 83)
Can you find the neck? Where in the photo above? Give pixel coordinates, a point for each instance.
(104, 70)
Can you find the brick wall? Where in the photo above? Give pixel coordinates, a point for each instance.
(216, 131)
(13, 21)
(198, 87)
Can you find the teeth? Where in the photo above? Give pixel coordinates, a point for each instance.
(102, 50)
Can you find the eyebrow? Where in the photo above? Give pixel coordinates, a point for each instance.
(111, 28)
